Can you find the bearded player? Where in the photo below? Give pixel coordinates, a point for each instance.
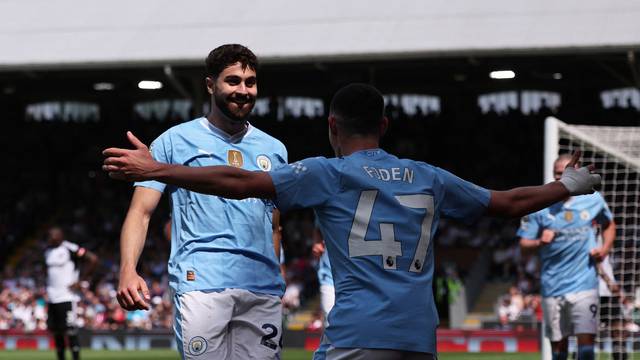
(222, 267)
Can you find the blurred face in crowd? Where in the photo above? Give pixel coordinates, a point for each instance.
(234, 91)
(558, 167)
(55, 236)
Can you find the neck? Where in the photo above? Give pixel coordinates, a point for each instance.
(222, 122)
(357, 143)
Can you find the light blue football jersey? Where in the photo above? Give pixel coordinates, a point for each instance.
(567, 266)
(218, 243)
(324, 270)
(378, 215)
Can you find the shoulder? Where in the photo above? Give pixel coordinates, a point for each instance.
(316, 162)
(187, 127)
(70, 246)
(590, 200)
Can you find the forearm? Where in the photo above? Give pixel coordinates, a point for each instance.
(521, 201)
(608, 236)
(225, 181)
(92, 263)
(529, 245)
(132, 239)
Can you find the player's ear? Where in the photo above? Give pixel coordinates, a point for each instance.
(384, 125)
(333, 126)
(211, 84)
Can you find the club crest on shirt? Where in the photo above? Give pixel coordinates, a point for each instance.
(197, 345)
(264, 162)
(234, 158)
(584, 215)
(568, 215)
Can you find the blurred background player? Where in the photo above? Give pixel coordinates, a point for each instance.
(325, 278)
(386, 209)
(615, 309)
(63, 282)
(565, 238)
(222, 266)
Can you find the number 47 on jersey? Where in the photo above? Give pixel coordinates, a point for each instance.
(387, 246)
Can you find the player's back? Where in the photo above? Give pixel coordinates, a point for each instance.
(379, 226)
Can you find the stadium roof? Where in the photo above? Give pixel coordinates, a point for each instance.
(71, 33)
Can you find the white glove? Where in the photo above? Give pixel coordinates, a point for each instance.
(579, 181)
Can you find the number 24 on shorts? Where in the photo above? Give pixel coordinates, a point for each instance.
(387, 246)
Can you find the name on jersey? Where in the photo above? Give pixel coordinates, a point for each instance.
(573, 234)
(392, 174)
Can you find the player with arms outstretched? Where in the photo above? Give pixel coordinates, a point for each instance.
(378, 214)
(565, 237)
(222, 265)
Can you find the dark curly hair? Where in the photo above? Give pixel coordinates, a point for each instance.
(223, 56)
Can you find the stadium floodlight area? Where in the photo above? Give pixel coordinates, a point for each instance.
(615, 152)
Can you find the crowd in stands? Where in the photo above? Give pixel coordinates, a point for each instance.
(61, 183)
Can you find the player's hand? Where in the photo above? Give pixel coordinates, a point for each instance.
(133, 293)
(75, 287)
(598, 254)
(547, 237)
(317, 249)
(129, 164)
(579, 180)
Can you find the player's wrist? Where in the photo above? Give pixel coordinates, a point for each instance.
(127, 269)
(157, 171)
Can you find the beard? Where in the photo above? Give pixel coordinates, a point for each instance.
(236, 108)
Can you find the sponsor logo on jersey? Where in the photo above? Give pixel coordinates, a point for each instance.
(568, 215)
(191, 275)
(197, 345)
(264, 162)
(234, 158)
(584, 215)
(298, 167)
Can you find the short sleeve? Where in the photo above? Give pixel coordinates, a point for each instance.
(76, 250)
(160, 150)
(305, 184)
(529, 227)
(605, 215)
(281, 158)
(462, 200)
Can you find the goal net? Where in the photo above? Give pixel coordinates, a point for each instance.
(615, 152)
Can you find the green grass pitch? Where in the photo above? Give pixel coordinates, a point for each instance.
(290, 354)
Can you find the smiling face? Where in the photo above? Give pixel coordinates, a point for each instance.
(234, 91)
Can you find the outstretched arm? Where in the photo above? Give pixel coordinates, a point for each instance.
(525, 200)
(226, 181)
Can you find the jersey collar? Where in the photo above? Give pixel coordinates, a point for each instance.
(370, 153)
(235, 138)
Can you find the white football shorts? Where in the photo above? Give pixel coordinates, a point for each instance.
(571, 314)
(229, 324)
